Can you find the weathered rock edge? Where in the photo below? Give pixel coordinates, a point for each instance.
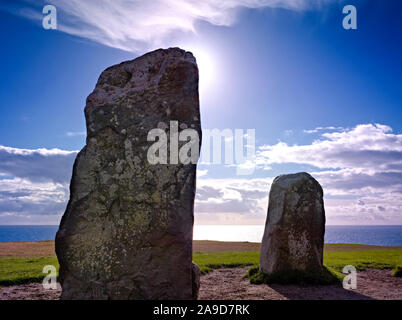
(127, 229)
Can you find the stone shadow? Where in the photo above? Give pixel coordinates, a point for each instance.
(326, 292)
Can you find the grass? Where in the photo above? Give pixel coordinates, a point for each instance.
(21, 270)
(364, 259)
(209, 261)
(25, 267)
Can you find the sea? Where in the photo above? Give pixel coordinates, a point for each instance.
(374, 235)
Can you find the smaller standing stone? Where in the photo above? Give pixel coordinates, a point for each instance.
(293, 240)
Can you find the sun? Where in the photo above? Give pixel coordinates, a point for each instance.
(207, 69)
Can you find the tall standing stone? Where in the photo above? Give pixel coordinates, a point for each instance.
(127, 230)
(294, 232)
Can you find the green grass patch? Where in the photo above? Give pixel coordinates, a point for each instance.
(397, 271)
(19, 270)
(210, 261)
(364, 259)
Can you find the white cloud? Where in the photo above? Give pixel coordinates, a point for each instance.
(75, 133)
(138, 25)
(356, 181)
(37, 165)
(360, 170)
(34, 184)
(372, 147)
(288, 133)
(233, 201)
(245, 201)
(23, 197)
(323, 129)
(202, 173)
(381, 208)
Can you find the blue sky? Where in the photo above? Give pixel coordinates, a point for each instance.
(321, 98)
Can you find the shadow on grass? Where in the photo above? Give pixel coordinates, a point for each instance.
(13, 282)
(397, 272)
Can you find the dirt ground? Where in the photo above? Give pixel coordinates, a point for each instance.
(229, 284)
(27, 249)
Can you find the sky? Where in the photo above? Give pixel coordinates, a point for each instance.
(322, 99)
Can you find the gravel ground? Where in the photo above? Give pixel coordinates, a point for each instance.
(229, 284)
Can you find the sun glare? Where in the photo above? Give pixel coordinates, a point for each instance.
(207, 69)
